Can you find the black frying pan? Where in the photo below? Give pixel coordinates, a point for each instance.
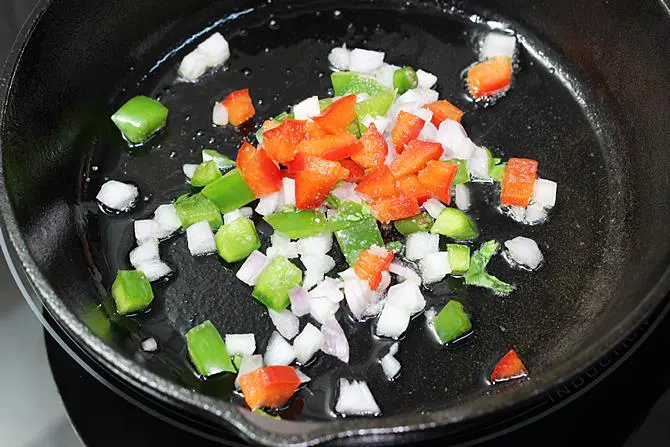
(590, 102)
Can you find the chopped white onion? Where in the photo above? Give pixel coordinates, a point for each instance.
(117, 195)
(304, 378)
(307, 108)
(385, 282)
(376, 250)
(428, 132)
(215, 49)
(241, 344)
(384, 74)
(278, 352)
(375, 306)
(344, 191)
(189, 170)
(380, 122)
(339, 58)
(356, 399)
(146, 229)
(281, 246)
(420, 244)
(231, 216)
(426, 79)
(328, 288)
(219, 114)
(478, 164)
(525, 252)
(390, 366)
(322, 309)
(404, 272)
(454, 140)
(287, 323)
(334, 341)
(433, 207)
(462, 197)
(393, 321)
(393, 350)
(299, 301)
(434, 267)
(535, 214)
(193, 65)
(147, 251)
(365, 61)
(252, 267)
(288, 191)
(498, 44)
(357, 293)
(307, 343)
(149, 344)
(248, 364)
(406, 295)
(421, 96)
(318, 263)
(153, 269)
(545, 192)
(517, 213)
(200, 238)
(167, 219)
(316, 245)
(268, 203)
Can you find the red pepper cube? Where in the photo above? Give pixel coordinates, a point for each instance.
(270, 386)
(398, 206)
(260, 173)
(443, 110)
(337, 117)
(518, 182)
(370, 265)
(315, 180)
(509, 367)
(331, 147)
(240, 107)
(373, 149)
(281, 142)
(379, 183)
(407, 128)
(490, 77)
(411, 186)
(417, 153)
(438, 177)
(356, 173)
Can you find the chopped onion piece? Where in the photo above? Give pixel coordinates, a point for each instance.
(376, 250)
(535, 214)
(334, 341)
(356, 399)
(420, 244)
(454, 140)
(215, 49)
(406, 295)
(248, 364)
(299, 301)
(328, 288)
(421, 96)
(154, 269)
(357, 293)
(316, 245)
(252, 267)
(390, 366)
(462, 197)
(525, 252)
(344, 190)
(167, 219)
(219, 114)
(278, 352)
(428, 132)
(434, 267)
(307, 108)
(406, 273)
(189, 170)
(304, 378)
(498, 44)
(200, 238)
(322, 309)
(380, 122)
(426, 80)
(545, 192)
(517, 213)
(149, 344)
(193, 66)
(385, 282)
(393, 321)
(146, 229)
(288, 191)
(307, 343)
(339, 58)
(147, 251)
(433, 207)
(241, 344)
(287, 323)
(478, 164)
(268, 203)
(375, 306)
(281, 246)
(321, 263)
(384, 75)
(365, 61)
(117, 195)
(231, 216)
(393, 350)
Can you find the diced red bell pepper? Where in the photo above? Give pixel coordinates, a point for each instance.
(370, 265)
(518, 182)
(313, 130)
(509, 367)
(437, 177)
(407, 128)
(399, 206)
(443, 110)
(269, 124)
(331, 147)
(417, 153)
(486, 78)
(281, 142)
(270, 386)
(373, 150)
(356, 173)
(411, 186)
(316, 180)
(337, 117)
(262, 175)
(378, 183)
(240, 107)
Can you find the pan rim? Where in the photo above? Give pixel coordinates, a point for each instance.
(309, 433)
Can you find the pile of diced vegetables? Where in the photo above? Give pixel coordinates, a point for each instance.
(385, 150)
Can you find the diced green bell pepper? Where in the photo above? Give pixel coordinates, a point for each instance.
(139, 118)
(229, 192)
(349, 213)
(296, 224)
(405, 79)
(421, 222)
(395, 246)
(459, 258)
(455, 224)
(237, 361)
(192, 209)
(497, 171)
(376, 105)
(205, 173)
(207, 350)
(477, 275)
(332, 201)
(462, 175)
(237, 239)
(346, 82)
(221, 160)
(357, 238)
(131, 291)
(274, 283)
(452, 322)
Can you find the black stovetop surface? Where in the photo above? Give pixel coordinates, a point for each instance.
(629, 407)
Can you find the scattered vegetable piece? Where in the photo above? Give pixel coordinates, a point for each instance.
(509, 367)
(477, 275)
(229, 192)
(131, 291)
(205, 173)
(459, 258)
(378, 183)
(240, 107)
(407, 128)
(281, 142)
(316, 181)
(237, 240)
(355, 398)
(518, 182)
(139, 118)
(490, 77)
(337, 117)
(270, 386)
(455, 224)
(298, 223)
(336, 146)
(117, 195)
(415, 156)
(452, 322)
(404, 79)
(419, 223)
(347, 82)
(241, 344)
(443, 110)
(356, 173)
(200, 239)
(260, 173)
(274, 283)
(207, 350)
(195, 208)
(525, 251)
(398, 206)
(372, 150)
(371, 263)
(410, 185)
(438, 177)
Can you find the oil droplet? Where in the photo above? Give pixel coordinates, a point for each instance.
(94, 168)
(199, 133)
(244, 32)
(337, 13)
(246, 71)
(266, 49)
(211, 140)
(173, 154)
(276, 97)
(187, 118)
(159, 146)
(318, 13)
(146, 198)
(87, 179)
(260, 101)
(320, 74)
(289, 71)
(273, 25)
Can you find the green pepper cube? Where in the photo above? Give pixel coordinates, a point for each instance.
(357, 238)
(139, 118)
(131, 291)
(455, 224)
(462, 175)
(221, 160)
(349, 213)
(192, 209)
(207, 350)
(405, 79)
(229, 192)
(459, 258)
(205, 173)
(452, 322)
(346, 82)
(497, 172)
(419, 223)
(376, 105)
(236, 240)
(237, 361)
(275, 281)
(296, 224)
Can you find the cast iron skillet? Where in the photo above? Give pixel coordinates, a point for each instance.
(590, 102)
